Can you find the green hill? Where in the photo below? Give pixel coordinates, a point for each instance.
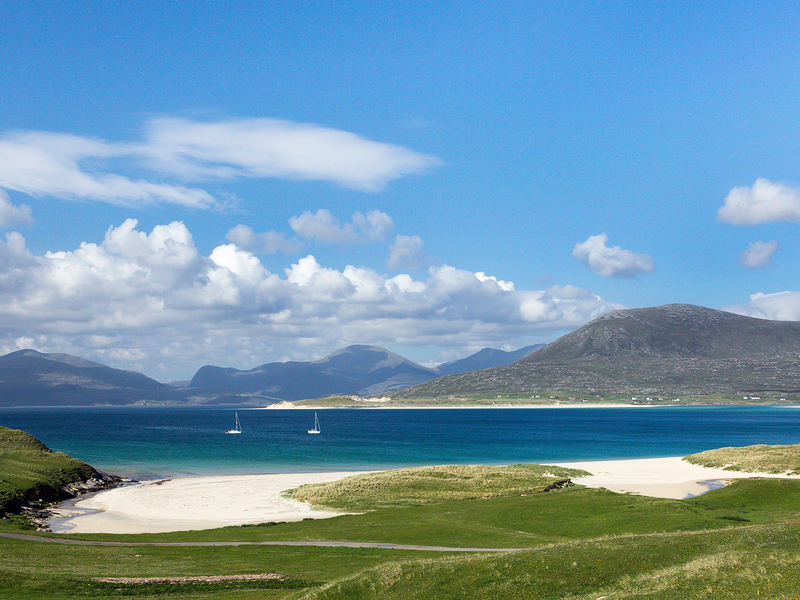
(30, 471)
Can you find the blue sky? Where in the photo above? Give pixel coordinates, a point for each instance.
(187, 184)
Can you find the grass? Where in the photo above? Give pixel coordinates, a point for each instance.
(752, 459)
(30, 470)
(742, 541)
(736, 541)
(424, 485)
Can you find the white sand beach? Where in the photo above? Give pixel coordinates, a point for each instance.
(205, 502)
(186, 503)
(670, 477)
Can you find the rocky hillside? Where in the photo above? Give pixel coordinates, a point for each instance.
(669, 349)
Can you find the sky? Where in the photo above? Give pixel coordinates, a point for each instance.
(187, 183)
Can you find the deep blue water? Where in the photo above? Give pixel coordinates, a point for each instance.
(148, 442)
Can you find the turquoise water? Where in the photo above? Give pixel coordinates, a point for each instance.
(148, 442)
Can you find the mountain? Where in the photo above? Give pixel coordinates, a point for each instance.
(30, 378)
(484, 359)
(673, 349)
(356, 369)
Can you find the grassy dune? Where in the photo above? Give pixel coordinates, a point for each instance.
(425, 485)
(751, 459)
(30, 470)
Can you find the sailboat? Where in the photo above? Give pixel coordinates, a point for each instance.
(316, 425)
(238, 428)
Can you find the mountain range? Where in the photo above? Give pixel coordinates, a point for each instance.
(31, 378)
(672, 349)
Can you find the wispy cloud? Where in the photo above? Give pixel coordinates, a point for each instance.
(266, 148)
(611, 261)
(72, 167)
(765, 202)
(154, 298)
(67, 167)
(758, 254)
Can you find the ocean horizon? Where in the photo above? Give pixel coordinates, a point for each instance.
(149, 442)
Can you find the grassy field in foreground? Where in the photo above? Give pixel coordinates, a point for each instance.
(742, 542)
(581, 542)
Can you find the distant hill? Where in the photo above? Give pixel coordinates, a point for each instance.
(485, 359)
(356, 369)
(30, 378)
(676, 348)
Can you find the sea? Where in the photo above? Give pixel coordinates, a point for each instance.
(151, 442)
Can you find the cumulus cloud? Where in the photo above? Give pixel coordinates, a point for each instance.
(72, 167)
(611, 261)
(151, 301)
(322, 226)
(268, 242)
(11, 215)
(758, 254)
(765, 202)
(406, 253)
(780, 306)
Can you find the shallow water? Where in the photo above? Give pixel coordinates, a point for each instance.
(148, 442)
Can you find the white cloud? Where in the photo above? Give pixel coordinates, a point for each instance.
(152, 302)
(758, 254)
(49, 164)
(611, 261)
(269, 242)
(406, 252)
(11, 215)
(322, 226)
(780, 306)
(71, 167)
(765, 202)
(275, 148)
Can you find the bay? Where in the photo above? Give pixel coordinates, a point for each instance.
(166, 441)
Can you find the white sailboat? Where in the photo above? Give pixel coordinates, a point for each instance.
(238, 428)
(316, 425)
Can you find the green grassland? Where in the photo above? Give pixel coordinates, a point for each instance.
(760, 458)
(742, 541)
(425, 485)
(30, 470)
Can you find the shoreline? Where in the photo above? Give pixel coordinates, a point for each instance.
(159, 506)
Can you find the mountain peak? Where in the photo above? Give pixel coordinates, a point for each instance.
(676, 348)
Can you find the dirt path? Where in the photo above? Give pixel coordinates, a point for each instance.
(52, 540)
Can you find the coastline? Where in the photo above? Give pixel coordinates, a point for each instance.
(162, 505)
(220, 501)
